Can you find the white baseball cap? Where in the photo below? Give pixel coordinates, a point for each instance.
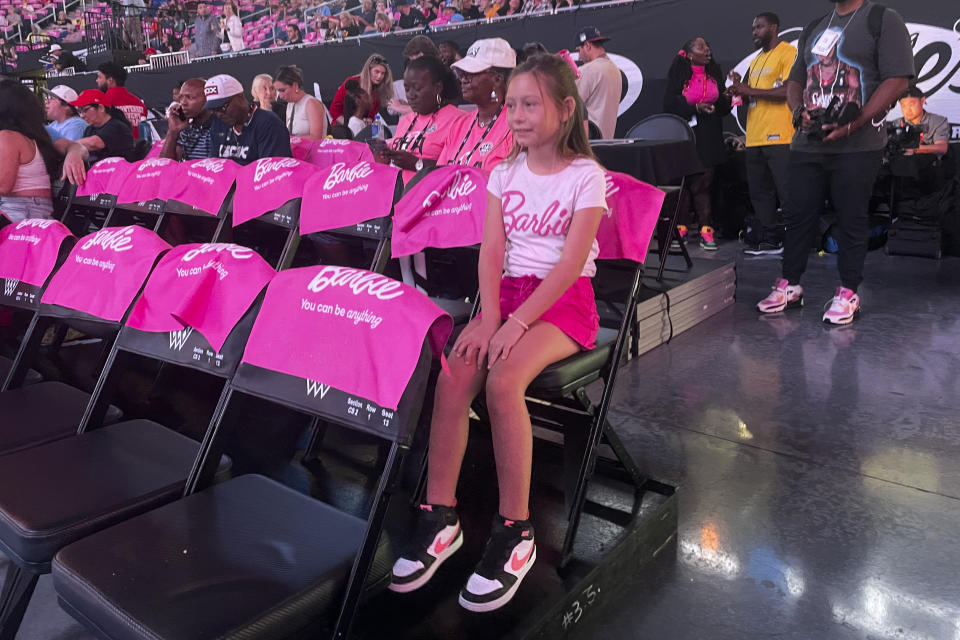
(56, 47)
(486, 53)
(219, 89)
(63, 92)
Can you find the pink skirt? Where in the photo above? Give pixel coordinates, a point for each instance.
(575, 313)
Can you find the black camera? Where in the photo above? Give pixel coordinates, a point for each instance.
(901, 136)
(834, 113)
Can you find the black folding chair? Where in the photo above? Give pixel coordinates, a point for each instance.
(87, 213)
(291, 566)
(667, 126)
(54, 494)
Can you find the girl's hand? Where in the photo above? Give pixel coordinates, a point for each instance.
(503, 341)
(474, 342)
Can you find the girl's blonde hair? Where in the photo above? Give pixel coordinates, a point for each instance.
(385, 91)
(557, 83)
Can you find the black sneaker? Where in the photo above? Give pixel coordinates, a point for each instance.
(765, 248)
(436, 537)
(510, 553)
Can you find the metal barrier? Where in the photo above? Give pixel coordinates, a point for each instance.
(167, 60)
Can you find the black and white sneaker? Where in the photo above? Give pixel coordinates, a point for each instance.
(510, 553)
(436, 537)
(765, 248)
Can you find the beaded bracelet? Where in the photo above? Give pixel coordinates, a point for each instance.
(520, 322)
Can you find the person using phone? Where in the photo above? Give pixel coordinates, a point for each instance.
(188, 136)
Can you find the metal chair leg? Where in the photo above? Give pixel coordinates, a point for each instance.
(17, 591)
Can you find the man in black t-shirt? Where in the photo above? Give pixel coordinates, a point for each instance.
(106, 136)
(410, 17)
(857, 59)
(241, 131)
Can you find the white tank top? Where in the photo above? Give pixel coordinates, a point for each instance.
(297, 121)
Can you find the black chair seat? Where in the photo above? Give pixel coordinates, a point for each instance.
(459, 310)
(249, 558)
(576, 371)
(41, 413)
(57, 493)
(32, 376)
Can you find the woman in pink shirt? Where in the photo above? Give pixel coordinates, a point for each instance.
(420, 135)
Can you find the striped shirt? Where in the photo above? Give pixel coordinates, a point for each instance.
(195, 141)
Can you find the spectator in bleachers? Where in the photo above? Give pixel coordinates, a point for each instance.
(8, 55)
(384, 23)
(111, 78)
(232, 27)
(188, 135)
(28, 157)
(293, 34)
(12, 17)
(305, 116)
(66, 60)
(449, 52)
(64, 121)
(37, 37)
(537, 6)
(349, 26)
(410, 17)
(242, 131)
(484, 139)
(428, 11)
(376, 79)
(430, 86)
(448, 14)
(367, 16)
(513, 7)
(108, 134)
(188, 45)
(265, 95)
(62, 20)
(469, 11)
(205, 30)
(356, 107)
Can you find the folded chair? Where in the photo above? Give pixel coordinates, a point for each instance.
(96, 197)
(91, 292)
(54, 494)
(266, 208)
(30, 251)
(350, 205)
(251, 557)
(666, 126)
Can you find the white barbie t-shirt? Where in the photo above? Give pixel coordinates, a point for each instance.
(537, 211)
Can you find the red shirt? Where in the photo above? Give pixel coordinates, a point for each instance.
(336, 107)
(131, 106)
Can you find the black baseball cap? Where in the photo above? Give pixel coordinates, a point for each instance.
(589, 34)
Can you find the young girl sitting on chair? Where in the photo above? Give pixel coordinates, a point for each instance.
(544, 206)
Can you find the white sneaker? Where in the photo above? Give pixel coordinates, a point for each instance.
(783, 296)
(843, 308)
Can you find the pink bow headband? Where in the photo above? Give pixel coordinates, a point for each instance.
(682, 53)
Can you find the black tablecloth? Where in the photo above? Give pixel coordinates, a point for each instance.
(656, 162)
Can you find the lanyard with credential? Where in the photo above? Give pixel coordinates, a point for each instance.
(489, 128)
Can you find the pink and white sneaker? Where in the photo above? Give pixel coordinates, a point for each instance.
(843, 309)
(437, 537)
(783, 296)
(507, 558)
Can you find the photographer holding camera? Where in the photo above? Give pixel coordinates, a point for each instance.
(852, 65)
(934, 129)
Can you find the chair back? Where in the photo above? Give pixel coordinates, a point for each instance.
(201, 187)
(347, 345)
(141, 190)
(353, 200)
(198, 306)
(30, 251)
(634, 209)
(662, 126)
(326, 153)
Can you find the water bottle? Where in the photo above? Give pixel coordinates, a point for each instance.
(379, 128)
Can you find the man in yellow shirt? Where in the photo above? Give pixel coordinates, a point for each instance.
(769, 130)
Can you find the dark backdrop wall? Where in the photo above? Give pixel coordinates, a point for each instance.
(644, 37)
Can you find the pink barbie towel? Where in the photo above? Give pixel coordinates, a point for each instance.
(147, 180)
(203, 184)
(301, 147)
(105, 271)
(345, 195)
(445, 209)
(106, 176)
(267, 184)
(634, 211)
(206, 286)
(29, 249)
(355, 330)
(326, 153)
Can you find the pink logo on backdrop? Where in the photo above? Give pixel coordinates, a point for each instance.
(354, 330)
(204, 286)
(445, 209)
(203, 184)
(106, 176)
(104, 272)
(148, 180)
(634, 210)
(326, 153)
(267, 184)
(345, 195)
(30, 249)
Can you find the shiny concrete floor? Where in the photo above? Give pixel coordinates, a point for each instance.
(819, 467)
